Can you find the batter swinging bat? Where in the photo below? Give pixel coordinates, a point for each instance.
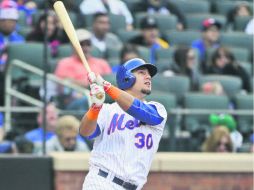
(71, 33)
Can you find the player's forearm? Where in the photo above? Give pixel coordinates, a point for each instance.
(87, 127)
(124, 99)
(89, 122)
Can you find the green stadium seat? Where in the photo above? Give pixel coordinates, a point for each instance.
(185, 37)
(117, 22)
(165, 22)
(165, 54)
(192, 6)
(65, 50)
(125, 35)
(245, 122)
(237, 39)
(113, 53)
(196, 122)
(223, 7)
(144, 53)
(163, 64)
(232, 85)
(241, 22)
(248, 67)
(194, 21)
(177, 85)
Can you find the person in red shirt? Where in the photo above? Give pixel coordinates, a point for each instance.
(72, 68)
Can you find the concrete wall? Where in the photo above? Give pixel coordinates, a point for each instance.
(170, 171)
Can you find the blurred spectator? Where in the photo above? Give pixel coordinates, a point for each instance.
(223, 62)
(241, 9)
(117, 7)
(129, 51)
(163, 7)
(29, 8)
(252, 142)
(67, 138)
(6, 147)
(214, 87)
(8, 34)
(72, 68)
(23, 145)
(218, 141)
(36, 135)
(19, 145)
(54, 34)
(101, 37)
(150, 37)
(1, 126)
(185, 63)
(229, 122)
(210, 39)
(250, 27)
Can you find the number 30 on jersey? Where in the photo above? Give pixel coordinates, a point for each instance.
(144, 141)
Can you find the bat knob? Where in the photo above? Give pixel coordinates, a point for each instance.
(100, 96)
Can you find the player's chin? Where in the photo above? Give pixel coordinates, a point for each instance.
(146, 91)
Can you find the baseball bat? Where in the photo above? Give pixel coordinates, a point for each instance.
(70, 31)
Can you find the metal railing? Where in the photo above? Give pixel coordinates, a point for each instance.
(37, 104)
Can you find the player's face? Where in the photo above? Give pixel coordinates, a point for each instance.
(143, 82)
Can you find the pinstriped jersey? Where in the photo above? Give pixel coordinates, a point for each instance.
(126, 146)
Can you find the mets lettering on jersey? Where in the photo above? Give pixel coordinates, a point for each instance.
(117, 123)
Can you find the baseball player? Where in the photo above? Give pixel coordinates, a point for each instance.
(127, 132)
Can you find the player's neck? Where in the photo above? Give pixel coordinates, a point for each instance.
(139, 96)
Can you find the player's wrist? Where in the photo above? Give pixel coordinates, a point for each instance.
(93, 112)
(113, 92)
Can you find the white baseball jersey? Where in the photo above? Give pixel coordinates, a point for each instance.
(126, 146)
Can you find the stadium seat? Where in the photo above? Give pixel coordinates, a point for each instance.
(64, 50)
(165, 54)
(163, 64)
(177, 85)
(232, 85)
(240, 54)
(194, 21)
(165, 22)
(197, 122)
(182, 37)
(125, 35)
(241, 22)
(223, 7)
(117, 22)
(30, 52)
(237, 39)
(244, 102)
(192, 6)
(247, 66)
(144, 53)
(113, 53)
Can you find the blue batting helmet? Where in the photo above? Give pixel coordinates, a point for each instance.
(124, 76)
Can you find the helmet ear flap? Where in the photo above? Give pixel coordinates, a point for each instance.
(125, 79)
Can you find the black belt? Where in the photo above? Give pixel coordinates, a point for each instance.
(125, 185)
